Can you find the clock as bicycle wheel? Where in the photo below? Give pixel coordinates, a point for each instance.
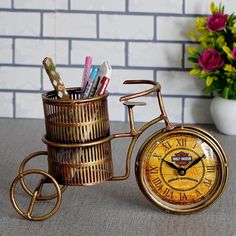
(182, 170)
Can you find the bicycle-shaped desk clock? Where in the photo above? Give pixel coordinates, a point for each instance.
(181, 169)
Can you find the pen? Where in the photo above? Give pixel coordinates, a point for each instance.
(55, 78)
(92, 78)
(104, 70)
(87, 67)
(104, 82)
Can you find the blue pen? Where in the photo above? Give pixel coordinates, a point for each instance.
(92, 78)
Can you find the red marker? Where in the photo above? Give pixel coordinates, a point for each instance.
(104, 82)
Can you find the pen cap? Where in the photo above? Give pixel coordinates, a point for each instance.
(88, 60)
(94, 73)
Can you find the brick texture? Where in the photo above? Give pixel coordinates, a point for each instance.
(142, 40)
(41, 4)
(153, 6)
(19, 23)
(28, 51)
(126, 27)
(23, 107)
(6, 104)
(69, 25)
(145, 54)
(174, 28)
(5, 4)
(193, 6)
(112, 51)
(6, 50)
(21, 78)
(98, 5)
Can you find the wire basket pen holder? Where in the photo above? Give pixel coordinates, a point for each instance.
(76, 121)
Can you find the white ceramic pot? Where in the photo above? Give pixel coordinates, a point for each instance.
(223, 113)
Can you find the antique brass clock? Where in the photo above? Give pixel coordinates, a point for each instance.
(181, 171)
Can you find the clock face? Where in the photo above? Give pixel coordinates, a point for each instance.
(181, 171)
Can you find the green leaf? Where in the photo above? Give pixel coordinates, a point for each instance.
(225, 93)
(231, 19)
(203, 76)
(209, 89)
(193, 59)
(223, 9)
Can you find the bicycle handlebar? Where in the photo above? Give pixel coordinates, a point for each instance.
(156, 87)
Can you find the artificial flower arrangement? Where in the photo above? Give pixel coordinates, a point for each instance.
(216, 60)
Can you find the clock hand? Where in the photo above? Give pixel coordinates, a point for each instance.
(170, 164)
(195, 162)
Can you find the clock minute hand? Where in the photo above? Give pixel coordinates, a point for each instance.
(170, 164)
(195, 162)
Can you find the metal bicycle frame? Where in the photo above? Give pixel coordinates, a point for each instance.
(133, 133)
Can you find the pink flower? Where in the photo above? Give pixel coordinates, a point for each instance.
(216, 22)
(234, 53)
(210, 60)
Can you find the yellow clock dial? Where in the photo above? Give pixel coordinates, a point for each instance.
(180, 171)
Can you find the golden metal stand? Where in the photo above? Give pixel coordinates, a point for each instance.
(78, 142)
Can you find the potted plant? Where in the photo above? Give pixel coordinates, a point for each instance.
(215, 62)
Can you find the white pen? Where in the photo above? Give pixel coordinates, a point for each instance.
(104, 71)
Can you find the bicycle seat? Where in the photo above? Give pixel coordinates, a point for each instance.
(132, 104)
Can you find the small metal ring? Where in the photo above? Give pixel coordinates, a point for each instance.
(23, 184)
(28, 215)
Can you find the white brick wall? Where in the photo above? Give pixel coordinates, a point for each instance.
(174, 28)
(20, 78)
(19, 23)
(197, 110)
(126, 27)
(98, 5)
(116, 109)
(179, 83)
(41, 4)
(6, 50)
(156, 6)
(145, 39)
(193, 6)
(100, 51)
(69, 25)
(5, 4)
(151, 110)
(33, 51)
(6, 104)
(155, 54)
(120, 75)
(24, 109)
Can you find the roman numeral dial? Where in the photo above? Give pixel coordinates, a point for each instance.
(181, 169)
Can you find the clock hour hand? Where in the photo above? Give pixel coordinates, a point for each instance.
(170, 164)
(195, 162)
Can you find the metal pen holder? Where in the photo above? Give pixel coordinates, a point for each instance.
(70, 123)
